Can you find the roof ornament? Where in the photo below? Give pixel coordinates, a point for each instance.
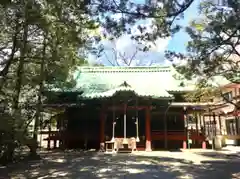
(125, 84)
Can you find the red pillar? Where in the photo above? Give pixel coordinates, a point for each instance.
(148, 130)
(102, 130)
(204, 145)
(184, 145)
(184, 116)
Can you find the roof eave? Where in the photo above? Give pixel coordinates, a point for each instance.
(140, 96)
(188, 104)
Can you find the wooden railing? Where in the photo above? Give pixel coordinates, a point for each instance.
(156, 135)
(232, 137)
(61, 135)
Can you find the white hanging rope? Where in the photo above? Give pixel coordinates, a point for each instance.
(137, 137)
(114, 123)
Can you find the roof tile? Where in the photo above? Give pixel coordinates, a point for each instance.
(155, 82)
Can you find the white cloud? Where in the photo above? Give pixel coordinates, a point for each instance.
(91, 59)
(176, 61)
(160, 44)
(127, 47)
(124, 43)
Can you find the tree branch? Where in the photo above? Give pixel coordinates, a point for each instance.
(133, 56)
(184, 7)
(237, 106)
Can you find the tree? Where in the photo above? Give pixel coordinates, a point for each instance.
(213, 51)
(163, 13)
(214, 48)
(28, 61)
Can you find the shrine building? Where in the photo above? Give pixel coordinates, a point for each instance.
(135, 108)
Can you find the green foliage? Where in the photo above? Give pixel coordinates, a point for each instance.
(214, 46)
(202, 93)
(131, 12)
(33, 31)
(13, 134)
(213, 50)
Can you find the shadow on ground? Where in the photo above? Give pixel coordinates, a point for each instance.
(219, 155)
(64, 165)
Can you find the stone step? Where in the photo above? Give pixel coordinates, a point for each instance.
(122, 150)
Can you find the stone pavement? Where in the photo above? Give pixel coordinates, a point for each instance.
(145, 165)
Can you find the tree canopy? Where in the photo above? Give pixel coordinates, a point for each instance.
(213, 52)
(214, 46)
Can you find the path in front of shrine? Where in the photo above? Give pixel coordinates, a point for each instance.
(141, 165)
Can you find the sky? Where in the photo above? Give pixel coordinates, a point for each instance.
(155, 56)
(179, 40)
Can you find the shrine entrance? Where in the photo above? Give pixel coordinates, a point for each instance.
(129, 128)
(126, 125)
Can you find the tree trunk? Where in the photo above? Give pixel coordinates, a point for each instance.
(39, 101)
(15, 107)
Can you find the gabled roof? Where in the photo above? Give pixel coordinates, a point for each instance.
(154, 82)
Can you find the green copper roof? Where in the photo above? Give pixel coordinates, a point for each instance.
(136, 91)
(155, 82)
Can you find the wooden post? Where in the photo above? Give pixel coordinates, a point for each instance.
(196, 116)
(55, 144)
(102, 130)
(236, 124)
(214, 124)
(200, 120)
(148, 130)
(186, 127)
(49, 135)
(48, 144)
(197, 127)
(137, 130)
(188, 144)
(125, 141)
(220, 124)
(204, 145)
(165, 129)
(113, 124)
(204, 125)
(210, 131)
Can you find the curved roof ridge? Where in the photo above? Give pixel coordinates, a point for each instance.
(125, 88)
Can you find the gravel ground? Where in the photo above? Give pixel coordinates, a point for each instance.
(145, 165)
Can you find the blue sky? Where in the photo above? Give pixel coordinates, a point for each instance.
(179, 40)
